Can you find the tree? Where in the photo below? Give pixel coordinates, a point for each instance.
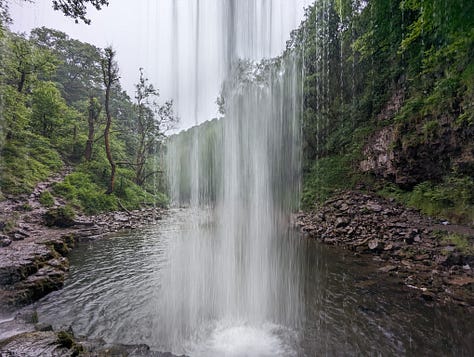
(153, 121)
(94, 112)
(4, 14)
(110, 75)
(77, 9)
(48, 109)
(15, 113)
(79, 67)
(24, 62)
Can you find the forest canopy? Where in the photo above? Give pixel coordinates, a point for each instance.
(61, 101)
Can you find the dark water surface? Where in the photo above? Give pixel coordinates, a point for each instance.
(115, 283)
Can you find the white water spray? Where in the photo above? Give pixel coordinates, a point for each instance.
(235, 269)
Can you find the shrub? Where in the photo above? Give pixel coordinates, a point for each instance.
(452, 199)
(46, 199)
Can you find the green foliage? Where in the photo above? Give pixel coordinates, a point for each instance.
(24, 63)
(430, 128)
(25, 162)
(77, 9)
(48, 109)
(65, 339)
(326, 176)
(16, 114)
(80, 189)
(46, 199)
(78, 72)
(10, 224)
(360, 54)
(452, 199)
(47, 83)
(86, 189)
(463, 243)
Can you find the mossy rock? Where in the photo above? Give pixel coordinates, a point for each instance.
(59, 217)
(65, 339)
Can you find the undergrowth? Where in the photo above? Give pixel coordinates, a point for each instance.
(85, 189)
(452, 199)
(25, 162)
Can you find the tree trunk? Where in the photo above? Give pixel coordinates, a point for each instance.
(110, 75)
(109, 153)
(21, 82)
(140, 161)
(90, 136)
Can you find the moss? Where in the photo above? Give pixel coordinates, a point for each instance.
(10, 224)
(430, 129)
(67, 340)
(25, 207)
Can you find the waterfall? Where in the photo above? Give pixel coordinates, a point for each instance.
(234, 267)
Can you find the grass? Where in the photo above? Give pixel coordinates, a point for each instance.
(46, 199)
(25, 162)
(85, 189)
(462, 243)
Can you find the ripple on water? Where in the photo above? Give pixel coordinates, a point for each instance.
(114, 286)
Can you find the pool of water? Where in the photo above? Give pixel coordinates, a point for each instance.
(115, 285)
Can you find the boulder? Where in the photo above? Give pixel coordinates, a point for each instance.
(59, 217)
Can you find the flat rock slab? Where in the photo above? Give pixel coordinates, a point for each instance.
(40, 343)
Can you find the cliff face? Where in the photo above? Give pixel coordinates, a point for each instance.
(410, 153)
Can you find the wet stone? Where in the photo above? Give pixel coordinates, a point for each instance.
(388, 268)
(121, 218)
(341, 222)
(374, 244)
(372, 206)
(5, 241)
(17, 237)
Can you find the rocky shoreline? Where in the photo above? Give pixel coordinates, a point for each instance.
(34, 262)
(433, 260)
